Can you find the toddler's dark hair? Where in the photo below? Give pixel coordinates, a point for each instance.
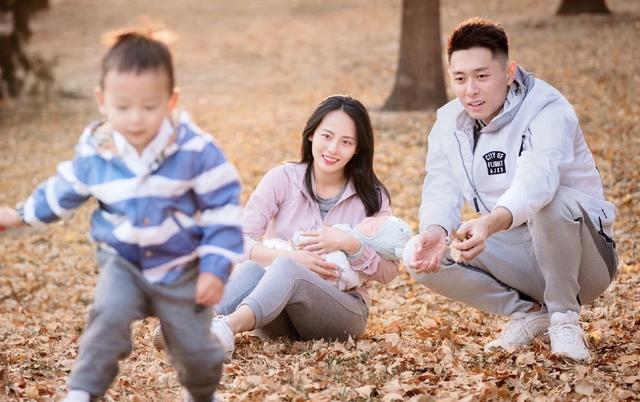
(138, 52)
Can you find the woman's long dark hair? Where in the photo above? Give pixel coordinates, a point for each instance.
(360, 168)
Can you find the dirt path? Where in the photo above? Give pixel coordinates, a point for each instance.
(250, 72)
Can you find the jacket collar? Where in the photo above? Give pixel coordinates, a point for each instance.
(518, 91)
(109, 144)
(297, 171)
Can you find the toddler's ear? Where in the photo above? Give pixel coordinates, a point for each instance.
(173, 100)
(99, 98)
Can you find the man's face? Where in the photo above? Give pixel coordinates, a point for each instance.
(480, 81)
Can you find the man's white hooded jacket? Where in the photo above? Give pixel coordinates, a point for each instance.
(533, 146)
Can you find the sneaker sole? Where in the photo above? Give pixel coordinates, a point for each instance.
(158, 341)
(564, 356)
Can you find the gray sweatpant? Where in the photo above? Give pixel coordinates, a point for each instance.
(289, 300)
(123, 295)
(558, 258)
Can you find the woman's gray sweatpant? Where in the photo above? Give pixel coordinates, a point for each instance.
(559, 258)
(122, 296)
(290, 300)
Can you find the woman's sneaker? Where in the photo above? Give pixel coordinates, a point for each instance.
(521, 330)
(220, 328)
(76, 395)
(186, 397)
(567, 337)
(158, 338)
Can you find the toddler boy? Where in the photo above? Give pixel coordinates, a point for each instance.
(167, 224)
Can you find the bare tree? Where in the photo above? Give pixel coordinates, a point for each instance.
(583, 6)
(15, 63)
(419, 81)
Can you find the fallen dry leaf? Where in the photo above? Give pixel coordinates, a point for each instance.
(250, 72)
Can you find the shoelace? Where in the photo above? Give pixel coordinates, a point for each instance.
(568, 333)
(516, 324)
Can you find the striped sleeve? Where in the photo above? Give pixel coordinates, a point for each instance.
(57, 197)
(217, 190)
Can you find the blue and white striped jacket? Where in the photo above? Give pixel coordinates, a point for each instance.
(182, 206)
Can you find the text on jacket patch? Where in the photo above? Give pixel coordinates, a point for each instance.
(495, 162)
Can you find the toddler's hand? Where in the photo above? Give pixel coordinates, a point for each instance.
(9, 219)
(209, 289)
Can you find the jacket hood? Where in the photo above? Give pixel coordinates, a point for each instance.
(525, 90)
(521, 87)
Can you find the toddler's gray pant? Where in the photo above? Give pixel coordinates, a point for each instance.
(123, 295)
(289, 300)
(559, 258)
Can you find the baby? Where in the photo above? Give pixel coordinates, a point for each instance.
(387, 235)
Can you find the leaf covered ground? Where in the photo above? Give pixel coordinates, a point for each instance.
(250, 73)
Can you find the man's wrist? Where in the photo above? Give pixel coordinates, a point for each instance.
(498, 220)
(433, 227)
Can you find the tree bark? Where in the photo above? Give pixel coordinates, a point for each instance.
(568, 7)
(15, 64)
(419, 81)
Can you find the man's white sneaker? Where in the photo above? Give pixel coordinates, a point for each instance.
(220, 328)
(521, 330)
(567, 337)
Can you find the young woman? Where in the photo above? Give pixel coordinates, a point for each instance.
(334, 182)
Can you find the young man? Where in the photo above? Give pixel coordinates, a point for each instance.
(510, 144)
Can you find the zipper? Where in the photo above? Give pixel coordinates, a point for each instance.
(470, 177)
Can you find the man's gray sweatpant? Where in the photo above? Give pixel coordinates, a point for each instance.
(290, 300)
(122, 296)
(559, 258)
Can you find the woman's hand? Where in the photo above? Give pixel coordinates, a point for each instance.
(315, 263)
(329, 239)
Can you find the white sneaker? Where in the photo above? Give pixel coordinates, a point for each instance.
(567, 337)
(521, 330)
(186, 397)
(158, 339)
(76, 395)
(220, 328)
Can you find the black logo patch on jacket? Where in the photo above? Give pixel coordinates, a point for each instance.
(495, 162)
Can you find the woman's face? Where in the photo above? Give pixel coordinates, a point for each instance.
(333, 143)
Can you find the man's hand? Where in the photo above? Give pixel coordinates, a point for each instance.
(9, 219)
(209, 289)
(477, 231)
(429, 249)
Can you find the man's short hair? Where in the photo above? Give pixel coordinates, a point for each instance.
(137, 52)
(479, 32)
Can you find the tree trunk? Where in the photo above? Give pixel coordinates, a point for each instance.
(15, 63)
(419, 81)
(568, 7)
